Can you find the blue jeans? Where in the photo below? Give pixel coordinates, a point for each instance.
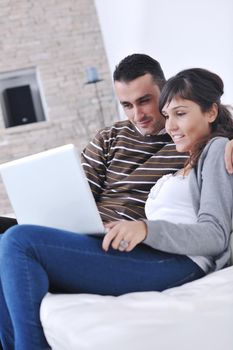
(6, 334)
(36, 259)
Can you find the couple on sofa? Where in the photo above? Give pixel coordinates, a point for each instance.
(172, 146)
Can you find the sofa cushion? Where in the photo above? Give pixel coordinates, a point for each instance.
(197, 315)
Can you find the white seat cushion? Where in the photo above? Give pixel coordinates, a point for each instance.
(195, 316)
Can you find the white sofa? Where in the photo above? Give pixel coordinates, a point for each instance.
(195, 316)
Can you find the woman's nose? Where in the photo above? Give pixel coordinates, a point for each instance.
(170, 124)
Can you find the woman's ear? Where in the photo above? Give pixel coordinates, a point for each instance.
(213, 113)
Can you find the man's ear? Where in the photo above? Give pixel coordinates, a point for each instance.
(213, 113)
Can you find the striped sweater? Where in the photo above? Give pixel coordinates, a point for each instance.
(122, 165)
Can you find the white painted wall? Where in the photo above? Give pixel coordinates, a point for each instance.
(178, 33)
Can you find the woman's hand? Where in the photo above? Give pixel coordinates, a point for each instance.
(124, 235)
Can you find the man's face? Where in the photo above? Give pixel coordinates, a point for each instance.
(139, 99)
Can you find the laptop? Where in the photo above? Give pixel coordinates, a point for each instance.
(50, 189)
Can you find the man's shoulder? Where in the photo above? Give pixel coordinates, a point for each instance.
(120, 125)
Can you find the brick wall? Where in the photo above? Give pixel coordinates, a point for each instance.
(61, 38)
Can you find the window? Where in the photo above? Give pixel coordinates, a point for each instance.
(20, 97)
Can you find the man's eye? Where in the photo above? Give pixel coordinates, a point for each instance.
(126, 106)
(144, 101)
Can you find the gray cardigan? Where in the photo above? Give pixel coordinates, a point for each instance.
(212, 193)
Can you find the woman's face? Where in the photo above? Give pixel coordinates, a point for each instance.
(186, 123)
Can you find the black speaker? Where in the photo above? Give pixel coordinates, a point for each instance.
(19, 105)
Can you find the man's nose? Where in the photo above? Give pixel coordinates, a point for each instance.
(138, 113)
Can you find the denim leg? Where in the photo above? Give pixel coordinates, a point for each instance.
(6, 330)
(19, 284)
(74, 263)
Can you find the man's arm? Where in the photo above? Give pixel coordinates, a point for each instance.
(94, 163)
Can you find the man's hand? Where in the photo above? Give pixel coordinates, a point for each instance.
(229, 156)
(124, 235)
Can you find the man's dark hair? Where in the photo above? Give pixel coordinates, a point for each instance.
(137, 65)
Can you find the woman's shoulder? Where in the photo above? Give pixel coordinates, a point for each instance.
(212, 156)
(215, 145)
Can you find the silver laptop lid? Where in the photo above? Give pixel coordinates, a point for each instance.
(50, 189)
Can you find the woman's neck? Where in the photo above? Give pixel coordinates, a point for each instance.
(184, 171)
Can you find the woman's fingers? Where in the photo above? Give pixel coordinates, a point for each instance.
(111, 224)
(124, 235)
(109, 236)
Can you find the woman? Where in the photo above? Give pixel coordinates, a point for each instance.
(186, 234)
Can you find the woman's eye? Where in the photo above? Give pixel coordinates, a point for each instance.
(180, 114)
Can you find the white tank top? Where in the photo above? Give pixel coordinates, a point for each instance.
(170, 199)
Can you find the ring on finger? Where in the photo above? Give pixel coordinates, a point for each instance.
(123, 245)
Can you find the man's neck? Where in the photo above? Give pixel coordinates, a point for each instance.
(161, 132)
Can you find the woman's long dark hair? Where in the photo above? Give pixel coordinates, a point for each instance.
(204, 88)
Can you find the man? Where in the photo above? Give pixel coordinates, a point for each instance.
(125, 160)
